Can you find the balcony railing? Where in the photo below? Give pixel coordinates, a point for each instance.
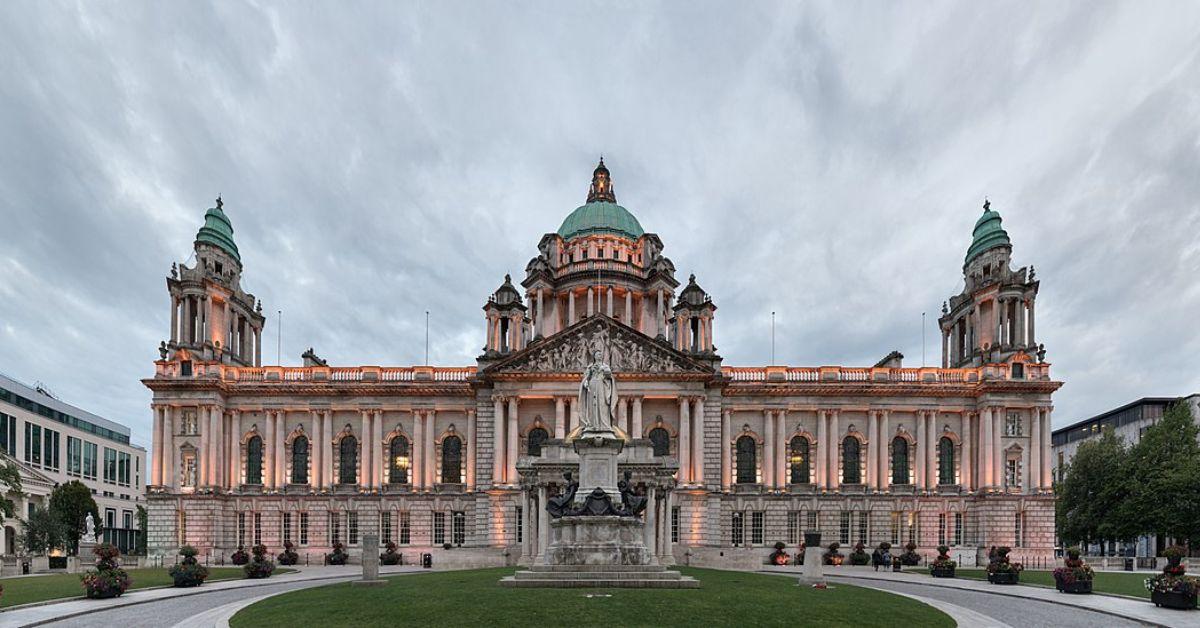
(924, 375)
(230, 373)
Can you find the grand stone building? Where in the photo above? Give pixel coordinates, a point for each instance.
(432, 457)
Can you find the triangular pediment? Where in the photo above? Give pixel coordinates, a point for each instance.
(625, 349)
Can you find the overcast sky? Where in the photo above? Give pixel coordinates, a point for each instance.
(825, 161)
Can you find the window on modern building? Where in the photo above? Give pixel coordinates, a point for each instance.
(946, 461)
(241, 529)
(287, 527)
(33, 444)
(451, 460)
(737, 528)
(398, 461)
(660, 439)
(534, 440)
(74, 456)
(304, 528)
(794, 518)
(110, 518)
(941, 528)
(110, 465)
(798, 460)
(254, 460)
(844, 528)
(50, 442)
(958, 528)
(756, 527)
(864, 530)
(8, 434)
(258, 528)
(126, 519)
(899, 460)
(1019, 529)
(520, 519)
(851, 461)
(403, 528)
(747, 460)
(675, 524)
(458, 527)
(91, 460)
(124, 461)
(348, 460)
(300, 460)
(439, 528)
(351, 527)
(1012, 424)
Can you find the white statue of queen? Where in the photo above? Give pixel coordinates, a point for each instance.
(597, 397)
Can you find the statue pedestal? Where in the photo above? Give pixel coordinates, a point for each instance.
(608, 540)
(598, 453)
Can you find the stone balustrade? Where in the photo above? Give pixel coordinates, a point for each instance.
(230, 373)
(882, 374)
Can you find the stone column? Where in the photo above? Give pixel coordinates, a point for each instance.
(871, 450)
(571, 308)
(539, 321)
(157, 447)
(637, 417)
(885, 437)
(629, 308)
(1021, 329)
(685, 441)
(470, 449)
(233, 441)
(174, 318)
(610, 302)
(416, 461)
(819, 468)
(498, 447)
(318, 450)
(591, 302)
(377, 456)
(623, 413)
(985, 432)
(781, 451)
(934, 437)
(269, 445)
(513, 435)
(543, 525)
(658, 316)
(430, 452)
(257, 347)
(1032, 337)
(964, 465)
(1034, 470)
(1045, 449)
(768, 467)
(572, 414)
(698, 441)
(648, 529)
(560, 418)
(281, 432)
(364, 457)
(997, 447)
(726, 454)
(170, 452)
(835, 448)
(219, 447)
(668, 552)
(327, 457)
(918, 453)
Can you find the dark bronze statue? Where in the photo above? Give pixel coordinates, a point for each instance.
(561, 505)
(634, 503)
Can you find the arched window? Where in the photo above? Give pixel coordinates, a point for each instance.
(254, 461)
(536, 437)
(747, 461)
(398, 461)
(899, 461)
(945, 461)
(798, 460)
(451, 460)
(851, 461)
(661, 440)
(300, 460)
(348, 465)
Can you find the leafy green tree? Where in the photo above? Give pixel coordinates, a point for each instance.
(1091, 491)
(1162, 470)
(143, 519)
(71, 502)
(41, 531)
(10, 486)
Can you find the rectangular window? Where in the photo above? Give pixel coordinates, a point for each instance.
(458, 532)
(287, 527)
(241, 529)
(352, 527)
(863, 527)
(439, 528)
(8, 435)
(127, 519)
(258, 528)
(520, 524)
(385, 527)
(812, 521)
(51, 449)
(123, 460)
(675, 524)
(941, 528)
(737, 528)
(335, 527)
(1019, 530)
(756, 527)
(913, 533)
(793, 527)
(1012, 424)
(110, 518)
(895, 528)
(182, 527)
(89, 463)
(844, 528)
(110, 465)
(1012, 473)
(405, 531)
(304, 528)
(74, 456)
(958, 528)
(33, 443)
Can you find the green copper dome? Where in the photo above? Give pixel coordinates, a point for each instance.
(218, 231)
(600, 217)
(988, 234)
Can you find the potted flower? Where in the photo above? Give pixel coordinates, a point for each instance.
(240, 557)
(189, 572)
(259, 566)
(1171, 588)
(107, 579)
(833, 557)
(289, 555)
(942, 566)
(390, 556)
(1075, 576)
(910, 557)
(1000, 570)
(339, 555)
(779, 556)
(860, 556)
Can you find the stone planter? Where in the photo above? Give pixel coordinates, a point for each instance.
(1079, 586)
(942, 572)
(1006, 577)
(1173, 599)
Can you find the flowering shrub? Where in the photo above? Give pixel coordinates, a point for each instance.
(259, 566)
(833, 557)
(189, 572)
(999, 562)
(943, 562)
(779, 556)
(289, 555)
(1172, 579)
(860, 556)
(339, 555)
(390, 556)
(1074, 569)
(910, 557)
(240, 557)
(107, 579)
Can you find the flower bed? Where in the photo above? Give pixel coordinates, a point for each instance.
(189, 572)
(1075, 576)
(1000, 570)
(259, 566)
(942, 566)
(107, 579)
(1172, 588)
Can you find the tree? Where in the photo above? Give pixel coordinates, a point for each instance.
(41, 531)
(10, 486)
(1162, 469)
(143, 519)
(71, 502)
(1092, 490)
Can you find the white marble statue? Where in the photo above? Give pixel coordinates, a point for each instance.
(89, 528)
(597, 396)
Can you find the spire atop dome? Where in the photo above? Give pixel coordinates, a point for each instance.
(602, 188)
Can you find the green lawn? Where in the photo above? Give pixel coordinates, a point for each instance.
(1118, 582)
(475, 598)
(26, 589)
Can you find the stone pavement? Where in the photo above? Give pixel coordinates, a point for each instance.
(1114, 607)
(197, 598)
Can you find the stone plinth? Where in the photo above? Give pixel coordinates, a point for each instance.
(814, 572)
(608, 540)
(598, 453)
(370, 563)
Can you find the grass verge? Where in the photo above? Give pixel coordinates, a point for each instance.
(28, 589)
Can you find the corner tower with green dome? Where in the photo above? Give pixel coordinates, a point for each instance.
(212, 318)
(992, 320)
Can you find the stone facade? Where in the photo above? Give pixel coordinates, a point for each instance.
(958, 454)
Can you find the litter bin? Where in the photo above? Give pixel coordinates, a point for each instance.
(1129, 564)
(25, 567)
(427, 561)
